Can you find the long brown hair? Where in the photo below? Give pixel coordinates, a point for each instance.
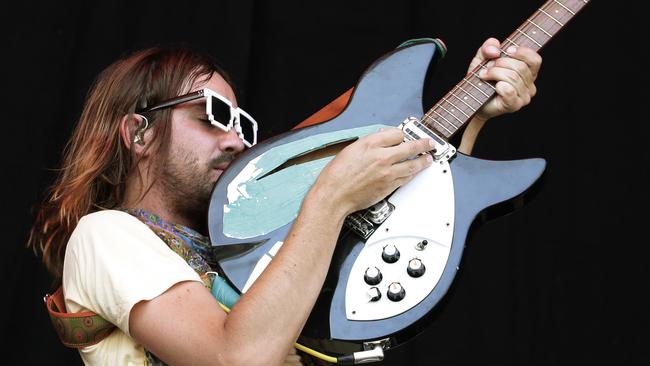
(95, 161)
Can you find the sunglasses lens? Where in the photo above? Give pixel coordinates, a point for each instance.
(220, 111)
(248, 128)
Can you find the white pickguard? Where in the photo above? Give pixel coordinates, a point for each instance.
(424, 209)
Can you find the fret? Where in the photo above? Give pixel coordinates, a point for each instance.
(455, 107)
(469, 94)
(443, 126)
(476, 87)
(451, 114)
(524, 37)
(540, 28)
(558, 11)
(543, 22)
(511, 42)
(571, 6)
(540, 37)
(550, 16)
(529, 37)
(562, 5)
(469, 106)
(481, 82)
(428, 117)
(449, 123)
(443, 117)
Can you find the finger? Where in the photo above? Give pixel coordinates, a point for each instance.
(402, 181)
(411, 167)
(528, 56)
(511, 77)
(488, 50)
(519, 67)
(508, 99)
(385, 137)
(410, 149)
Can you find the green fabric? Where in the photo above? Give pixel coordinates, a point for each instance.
(81, 331)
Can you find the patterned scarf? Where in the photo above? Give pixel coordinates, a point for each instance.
(187, 243)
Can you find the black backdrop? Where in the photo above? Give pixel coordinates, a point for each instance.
(559, 282)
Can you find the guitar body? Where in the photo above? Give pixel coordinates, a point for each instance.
(256, 199)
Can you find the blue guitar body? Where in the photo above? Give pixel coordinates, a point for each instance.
(462, 189)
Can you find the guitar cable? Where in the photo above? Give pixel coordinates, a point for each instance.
(375, 354)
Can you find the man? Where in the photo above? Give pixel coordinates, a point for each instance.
(140, 155)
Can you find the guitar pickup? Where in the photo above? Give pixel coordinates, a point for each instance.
(363, 222)
(379, 212)
(415, 130)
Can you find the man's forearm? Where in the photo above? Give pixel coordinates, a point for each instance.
(283, 296)
(470, 134)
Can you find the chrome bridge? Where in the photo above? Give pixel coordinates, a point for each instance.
(364, 222)
(415, 130)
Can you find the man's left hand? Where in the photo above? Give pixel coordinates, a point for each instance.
(514, 77)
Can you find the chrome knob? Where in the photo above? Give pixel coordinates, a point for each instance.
(395, 292)
(390, 254)
(415, 268)
(372, 276)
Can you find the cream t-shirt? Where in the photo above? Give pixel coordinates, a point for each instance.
(112, 262)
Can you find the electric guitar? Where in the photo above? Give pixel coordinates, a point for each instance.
(396, 260)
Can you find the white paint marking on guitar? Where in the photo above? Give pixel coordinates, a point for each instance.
(261, 265)
(236, 189)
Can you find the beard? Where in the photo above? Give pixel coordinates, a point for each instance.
(187, 184)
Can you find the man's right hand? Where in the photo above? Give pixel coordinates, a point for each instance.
(369, 169)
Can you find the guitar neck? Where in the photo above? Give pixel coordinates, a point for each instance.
(459, 105)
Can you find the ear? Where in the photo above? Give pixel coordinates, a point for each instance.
(133, 128)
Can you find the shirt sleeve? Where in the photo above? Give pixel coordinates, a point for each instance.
(113, 261)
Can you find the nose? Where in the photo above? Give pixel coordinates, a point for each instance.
(230, 142)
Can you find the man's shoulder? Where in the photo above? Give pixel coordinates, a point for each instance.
(104, 217)
(107, 224)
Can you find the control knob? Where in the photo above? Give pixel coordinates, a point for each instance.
(396, 292)
(415, 268)
(390, 254)
(372, 276)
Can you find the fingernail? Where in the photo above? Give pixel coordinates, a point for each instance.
(511, 49)
(432, 143)
(493, 49)
(429, 158)
(482, 73)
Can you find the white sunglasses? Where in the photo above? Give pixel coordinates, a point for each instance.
(220, 112)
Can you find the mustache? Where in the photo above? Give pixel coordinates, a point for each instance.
(223, 158)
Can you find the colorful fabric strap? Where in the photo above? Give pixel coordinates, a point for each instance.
(76, 330)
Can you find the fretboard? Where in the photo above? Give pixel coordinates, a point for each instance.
(458, 106)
